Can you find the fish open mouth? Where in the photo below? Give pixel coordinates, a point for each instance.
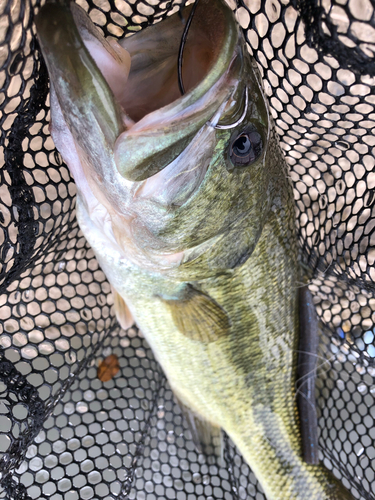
(128, 92)
(142, 69)
(153, 78)
(164, 120)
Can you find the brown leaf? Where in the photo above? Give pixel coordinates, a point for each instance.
(108, 368)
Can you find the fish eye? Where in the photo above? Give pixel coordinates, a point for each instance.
(246, 148)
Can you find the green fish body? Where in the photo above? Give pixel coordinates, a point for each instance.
(186, 203)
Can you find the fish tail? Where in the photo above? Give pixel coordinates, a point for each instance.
(282, 473)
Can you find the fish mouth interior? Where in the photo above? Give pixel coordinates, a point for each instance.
(153, 77)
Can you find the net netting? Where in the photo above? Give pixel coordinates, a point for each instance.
(64, 434)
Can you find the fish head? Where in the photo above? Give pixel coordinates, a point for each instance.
(169, 174)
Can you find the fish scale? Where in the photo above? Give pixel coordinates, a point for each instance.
(210, 276)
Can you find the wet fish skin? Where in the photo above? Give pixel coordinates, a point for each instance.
(218, 248)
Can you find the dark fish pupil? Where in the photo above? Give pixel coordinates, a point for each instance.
(246, 148)
(242, 145)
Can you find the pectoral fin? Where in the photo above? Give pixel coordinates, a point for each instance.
(199, 317)
(207, 437)
(123, 314)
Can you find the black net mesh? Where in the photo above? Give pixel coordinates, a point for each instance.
(64, 434)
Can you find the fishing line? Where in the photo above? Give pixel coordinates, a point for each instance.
(313, 372)
(182, 46)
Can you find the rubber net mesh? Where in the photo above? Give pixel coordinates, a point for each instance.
(64, 434)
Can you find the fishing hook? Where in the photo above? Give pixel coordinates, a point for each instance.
(240, 119)
(179, 71)
(182, 46)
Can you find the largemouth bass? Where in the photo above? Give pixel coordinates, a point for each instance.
(186, 203)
